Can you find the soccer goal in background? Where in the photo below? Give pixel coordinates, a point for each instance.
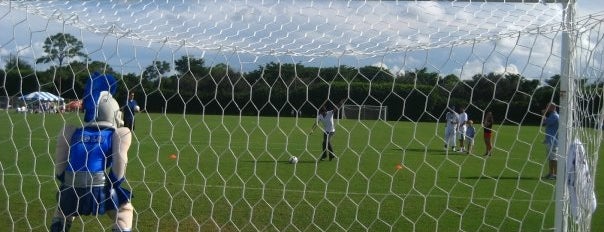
(231, 89)
(364, 112)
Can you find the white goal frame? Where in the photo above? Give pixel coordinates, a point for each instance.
(570, 77)
(361, 112)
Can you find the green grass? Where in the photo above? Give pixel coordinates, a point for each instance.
(232, 174)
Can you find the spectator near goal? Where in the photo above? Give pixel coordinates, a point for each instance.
(461, 131)
(550, 121)
(451, 128)
(470, 133)
(487, 124)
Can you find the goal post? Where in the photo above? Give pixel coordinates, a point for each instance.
(364, 112)
(231, 91)
(567, 77)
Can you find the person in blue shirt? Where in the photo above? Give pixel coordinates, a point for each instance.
(551, 122)
(130, 109)
(90, 164)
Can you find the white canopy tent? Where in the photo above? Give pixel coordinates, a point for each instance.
(41, 96)
(41, 102)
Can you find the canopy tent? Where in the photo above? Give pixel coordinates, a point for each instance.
(41, 96)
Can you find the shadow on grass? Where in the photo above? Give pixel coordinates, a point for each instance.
(496, 178)
(429, 150)
(279, 161)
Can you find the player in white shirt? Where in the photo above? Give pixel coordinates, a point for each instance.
(461, 130)
(325, 116)
(451, 129)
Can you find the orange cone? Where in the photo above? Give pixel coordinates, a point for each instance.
(399, 166)
(173, 156)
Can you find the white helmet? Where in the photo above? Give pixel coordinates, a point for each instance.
(108, 112)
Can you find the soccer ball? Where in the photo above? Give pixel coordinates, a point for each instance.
(137, 108)
(293, 160)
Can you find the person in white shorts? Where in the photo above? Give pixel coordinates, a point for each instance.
(461, 130)
(551, 122)
(451, 129)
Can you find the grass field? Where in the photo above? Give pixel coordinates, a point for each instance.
(231, 174)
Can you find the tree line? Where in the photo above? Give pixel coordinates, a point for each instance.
(188, 85)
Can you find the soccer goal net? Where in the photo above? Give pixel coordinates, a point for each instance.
(230, 91)
(364, 112)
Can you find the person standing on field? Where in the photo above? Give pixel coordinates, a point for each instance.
(461, 131)
(550, 121)
(487, 124)
(130, 109)
(451, 129)
(90, 162)
(325, 116)
(470, 133)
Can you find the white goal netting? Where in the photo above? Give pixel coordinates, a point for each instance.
(229, 92)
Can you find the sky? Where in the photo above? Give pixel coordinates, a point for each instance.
(449, 38)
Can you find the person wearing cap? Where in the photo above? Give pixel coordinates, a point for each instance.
(90, 164)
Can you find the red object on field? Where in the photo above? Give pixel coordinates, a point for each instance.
(74, 105)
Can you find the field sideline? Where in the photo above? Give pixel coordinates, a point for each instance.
(231, 174)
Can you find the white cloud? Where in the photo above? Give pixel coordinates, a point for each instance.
(380, 65)
(444, 36)
(476, 66)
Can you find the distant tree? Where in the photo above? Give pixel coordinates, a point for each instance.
(18, 77)
(224, 77)
(61, 47)
(81, 68)
(272, 71)
(374, 73)
(187, 65)
(190, 71)
(330, 74)
(15, 63)
(548, 92)
(156, 70)
(553, 81)
(327, 73)
(529, 86)
(80, 72)
(449, 82)
(154, 74)
(132, 82)
(426, 78)
(419, 77)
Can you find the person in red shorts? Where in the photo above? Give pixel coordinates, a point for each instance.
(487, 124)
